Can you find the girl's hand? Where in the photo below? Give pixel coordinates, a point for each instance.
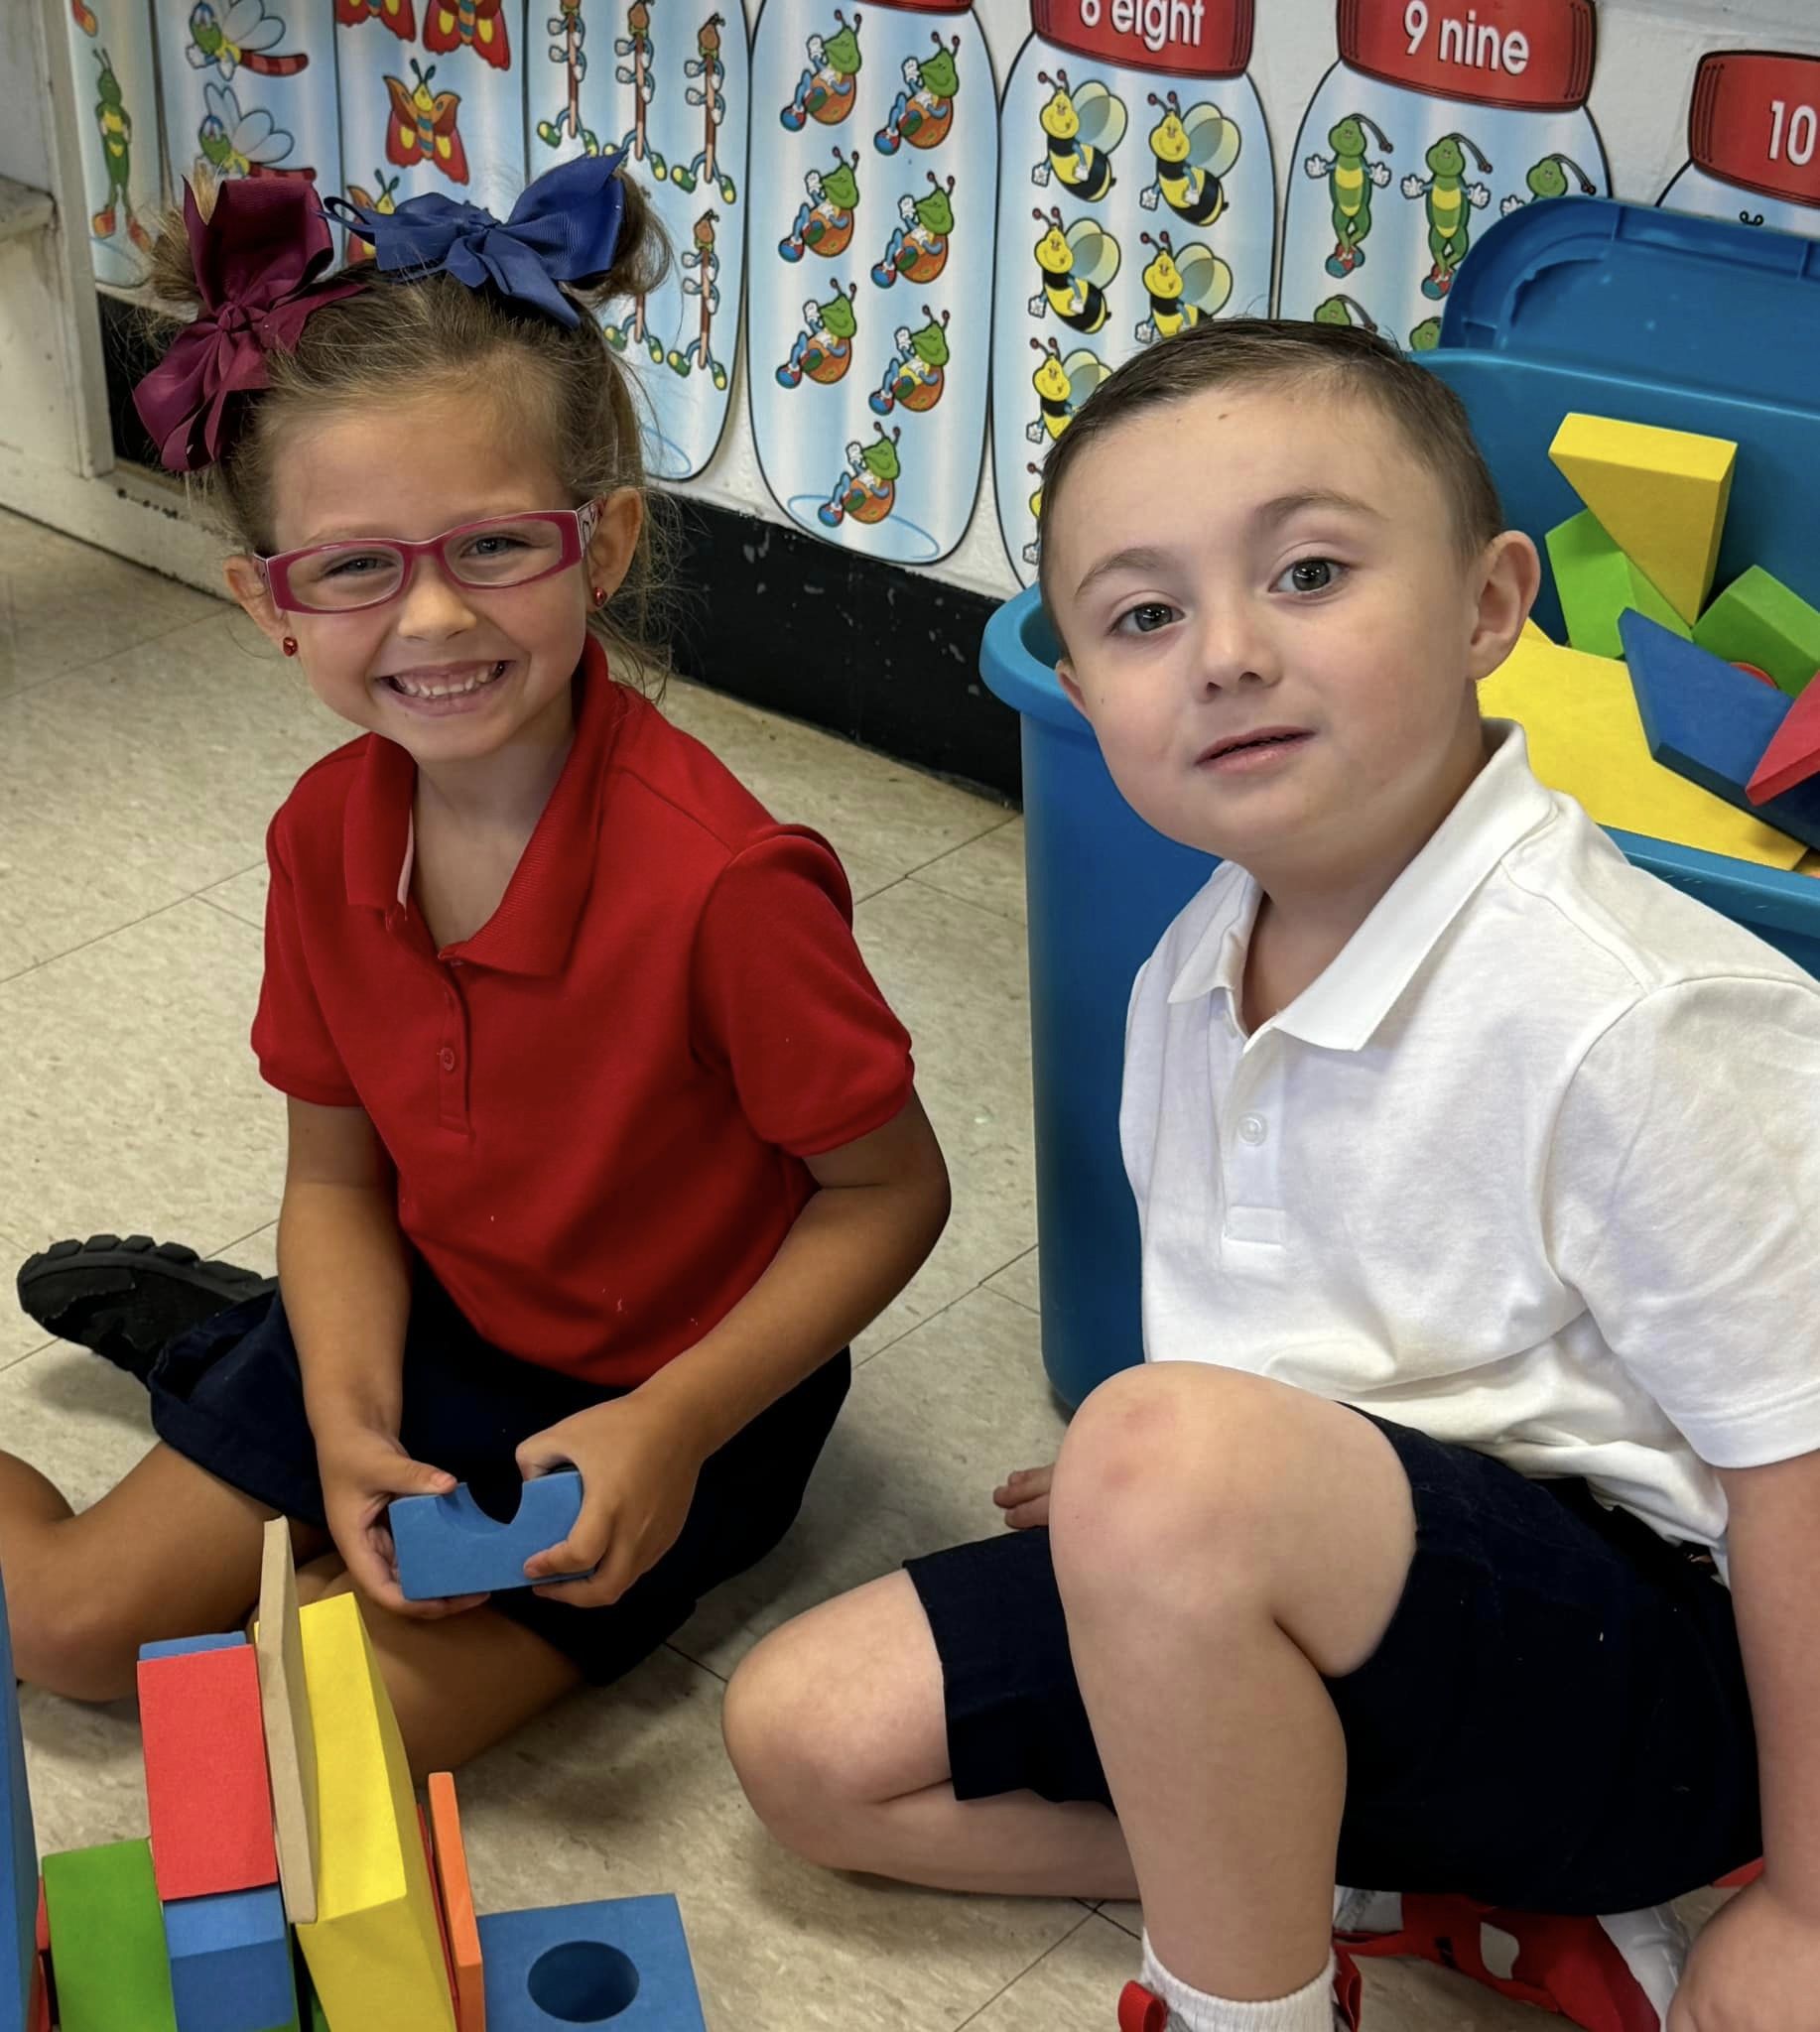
(361, 1472)
(1756, 1968)
(638, 1478)
(1024, 1497)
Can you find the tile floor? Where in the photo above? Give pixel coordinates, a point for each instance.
(146, 735)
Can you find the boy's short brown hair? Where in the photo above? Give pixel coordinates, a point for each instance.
(1232, 353)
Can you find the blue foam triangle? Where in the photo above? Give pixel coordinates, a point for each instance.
(1704, 719)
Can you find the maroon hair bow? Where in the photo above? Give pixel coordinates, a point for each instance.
(258, 258)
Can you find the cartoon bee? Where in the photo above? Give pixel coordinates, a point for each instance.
(1075, 267)
(237, 143)
(478, 25)
(1193, 151)
(422, 126)
(398, 15)
(386, 202)
(1184, 287)
(239, 33)
(1062, 386)
(1081, 130)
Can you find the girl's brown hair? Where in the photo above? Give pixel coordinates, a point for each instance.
(1234, 353)
(435, 331)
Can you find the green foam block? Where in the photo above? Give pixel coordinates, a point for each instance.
(107, 1941)
(1597, 583)
(1757, 619)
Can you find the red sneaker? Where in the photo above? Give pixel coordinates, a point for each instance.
(1142, 2010)
(1616, 1975)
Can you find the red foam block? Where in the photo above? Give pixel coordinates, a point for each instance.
(1793, 753)
(205, 1777)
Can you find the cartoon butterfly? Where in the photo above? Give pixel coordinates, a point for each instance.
(360, 250)
(481, 24)
(422, 126)
(398, 15)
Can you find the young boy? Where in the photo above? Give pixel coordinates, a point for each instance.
(1479, 1176)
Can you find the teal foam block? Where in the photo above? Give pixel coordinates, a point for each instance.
(624, 1961)
(448, 1545)
(230, 1962)
(1709, 722)
(185, 1647)
(18, 1855)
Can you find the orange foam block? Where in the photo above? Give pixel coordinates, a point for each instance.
(1793, 753)
(206, 1773)
(458, 1902)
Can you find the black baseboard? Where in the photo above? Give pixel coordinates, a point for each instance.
(881, 655)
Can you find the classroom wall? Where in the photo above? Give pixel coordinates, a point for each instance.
(885, 398)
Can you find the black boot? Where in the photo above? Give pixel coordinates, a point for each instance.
(128, 1299)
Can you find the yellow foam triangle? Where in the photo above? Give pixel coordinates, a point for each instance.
(1585, 738)
(374, 1949)
(1661, 495)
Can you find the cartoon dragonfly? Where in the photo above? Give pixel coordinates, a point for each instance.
(829, 88)
(1447, 194)
(918, 372)
(707, 66)
(1350, 177)
(570, 54)
(1081, 129)
(116, 125)
(1548, 179)
(237, 143)
(636, 44)
(240, 34)
(704, 284)
(924, 110)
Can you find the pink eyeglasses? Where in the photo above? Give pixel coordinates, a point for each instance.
(368, 570)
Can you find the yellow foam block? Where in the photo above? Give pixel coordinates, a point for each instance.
(1660, 494)
(1580, 715)
(374, 1949)
(1532, 633)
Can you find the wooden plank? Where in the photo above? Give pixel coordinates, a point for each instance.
(290, 1741)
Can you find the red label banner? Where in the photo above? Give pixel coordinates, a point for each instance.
(1181, 37)
(1537, 55)
(1755, 122)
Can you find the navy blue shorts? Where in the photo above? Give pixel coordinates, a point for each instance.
(229, 1396)
(1556, 1720)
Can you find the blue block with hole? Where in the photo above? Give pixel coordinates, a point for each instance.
(448, 1545)
(18, 1854)
(1612, 309)
(621, 1960)
(230, 1963)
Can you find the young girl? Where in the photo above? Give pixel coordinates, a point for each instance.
(603, 1142)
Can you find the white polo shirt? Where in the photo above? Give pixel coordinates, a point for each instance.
(1534, 1166)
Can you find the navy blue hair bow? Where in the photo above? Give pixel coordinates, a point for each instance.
(564, 229)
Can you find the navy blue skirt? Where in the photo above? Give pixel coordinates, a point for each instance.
(229, 1396)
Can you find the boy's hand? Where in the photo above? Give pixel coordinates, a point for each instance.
(1756, 1968)
(1024, 1497)
(361, 1470)
(638, 1478)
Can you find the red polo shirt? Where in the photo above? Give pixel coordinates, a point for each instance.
(598, 1105)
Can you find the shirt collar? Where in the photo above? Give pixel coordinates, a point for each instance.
(1342, 1007)
(533, 927)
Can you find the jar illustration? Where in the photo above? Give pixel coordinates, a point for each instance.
(112, 61)
(432, 99)
(1439, 117)
(249, 89)
(1137, 197)
(1754, 136)
(669, 84)
(870, 287)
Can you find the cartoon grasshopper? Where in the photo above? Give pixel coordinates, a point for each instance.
(640, 74)
(829, 88)
(1548, 179)
(919, 367)
(1344, 311)
(918, 248)
(707, 66)
(924, 110)
(1349, 180)
(823, 348)
(116, 125)
(1081, 129)
(704, 284)
(570, 54)
(824, 220)
(1448, 195)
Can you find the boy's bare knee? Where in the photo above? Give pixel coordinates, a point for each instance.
(72, 1636)
(788, 1758)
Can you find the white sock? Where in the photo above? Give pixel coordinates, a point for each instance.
(1310, 2009)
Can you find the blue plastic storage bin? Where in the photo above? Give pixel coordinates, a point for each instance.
(1575, 305)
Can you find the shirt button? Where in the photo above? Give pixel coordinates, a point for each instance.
(1252, 1130)
(446, 1059)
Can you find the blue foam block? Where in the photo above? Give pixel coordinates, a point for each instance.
(1704, 718)
(623, 1959)
(448, 1545)
(18, 1854)
(183, 1647)
(230, 1963)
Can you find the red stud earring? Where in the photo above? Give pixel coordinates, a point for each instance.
(289, 645)
(599, 595)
